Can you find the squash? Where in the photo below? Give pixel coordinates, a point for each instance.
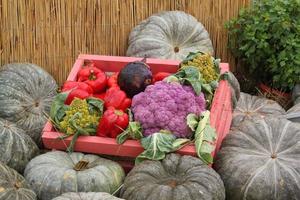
(296, 94)
(86, 196)
(57, 172)
(249, 107)
(26, 93)
(16, 148)
(13, 186)
(169, 35)
(261, 160)
(174, 178)
(234, 87)
(293, 113)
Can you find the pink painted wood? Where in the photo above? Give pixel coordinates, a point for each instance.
(221, 111)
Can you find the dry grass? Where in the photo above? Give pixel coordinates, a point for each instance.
(51, 33)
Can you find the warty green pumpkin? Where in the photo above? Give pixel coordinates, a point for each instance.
(57, 172)
(249, 107)
(169, 35)
(13, 186)
(26, 93)
(86, 196)
(261, 160)
(174, 178)
(16, 148)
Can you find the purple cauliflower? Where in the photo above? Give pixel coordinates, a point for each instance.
(165, 106)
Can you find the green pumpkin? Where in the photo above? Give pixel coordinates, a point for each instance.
(16, 148)
(169, 35)
(234, 87)
(250, 107)
(26, 93)
(13, 186)
(261, 160)
(296, 94)
(86, 196)
(57, 172)
(174, 178)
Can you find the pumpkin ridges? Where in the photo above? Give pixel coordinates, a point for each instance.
(57, 175)
(16, 148)
(272, 132)
(8, 178)
(26, 85)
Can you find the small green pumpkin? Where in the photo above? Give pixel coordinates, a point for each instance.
(261, 160)
(57, 172)
(16, 148)
(13, 186)
(174, 178)
(86, 196)
(26, 94)
(249, 107)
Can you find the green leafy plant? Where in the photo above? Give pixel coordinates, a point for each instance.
(266, 38)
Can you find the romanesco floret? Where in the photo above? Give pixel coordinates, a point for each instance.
(165, 106)
(78, 115)
(204, 62)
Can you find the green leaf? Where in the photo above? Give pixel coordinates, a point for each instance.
(192, 121)
(156, 146)
(205, 136)
(95, 106)
(133, 131)
(58, 108)
(179, 143)
(196, 85)
(121, 138)
(207, 88)
(172, 79)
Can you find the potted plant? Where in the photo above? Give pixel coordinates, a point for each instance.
(265, 37)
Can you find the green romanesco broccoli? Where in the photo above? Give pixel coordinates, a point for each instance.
(79, 118)
(204, 62)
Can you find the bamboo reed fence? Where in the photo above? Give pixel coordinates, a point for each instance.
(51, 33)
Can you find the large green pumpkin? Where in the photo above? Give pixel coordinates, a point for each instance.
(174, 178)
(57, 172)
(26, 93)
(13, 186)
(249, 107)
(261, 160)
(86, 196)
(169, 35)
(16, 148)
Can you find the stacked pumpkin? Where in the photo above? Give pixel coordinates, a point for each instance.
(259, 158)
(26, 93)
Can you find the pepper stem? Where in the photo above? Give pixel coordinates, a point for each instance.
(118, 112)
(92, 75)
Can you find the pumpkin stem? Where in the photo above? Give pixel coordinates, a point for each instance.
(18, 185)
(172, 183)
(273, 156)
(176, 49)
(81, 165)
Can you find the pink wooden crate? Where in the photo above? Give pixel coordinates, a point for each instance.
(221, 111)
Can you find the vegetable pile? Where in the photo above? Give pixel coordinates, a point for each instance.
(164, 111)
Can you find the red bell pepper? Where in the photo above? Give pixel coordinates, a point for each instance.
(100, 96)
(94, 77)
(116, 98)
(113, 80)
(160, 76)
(79, 93)
(112, 123)
(69, 85)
